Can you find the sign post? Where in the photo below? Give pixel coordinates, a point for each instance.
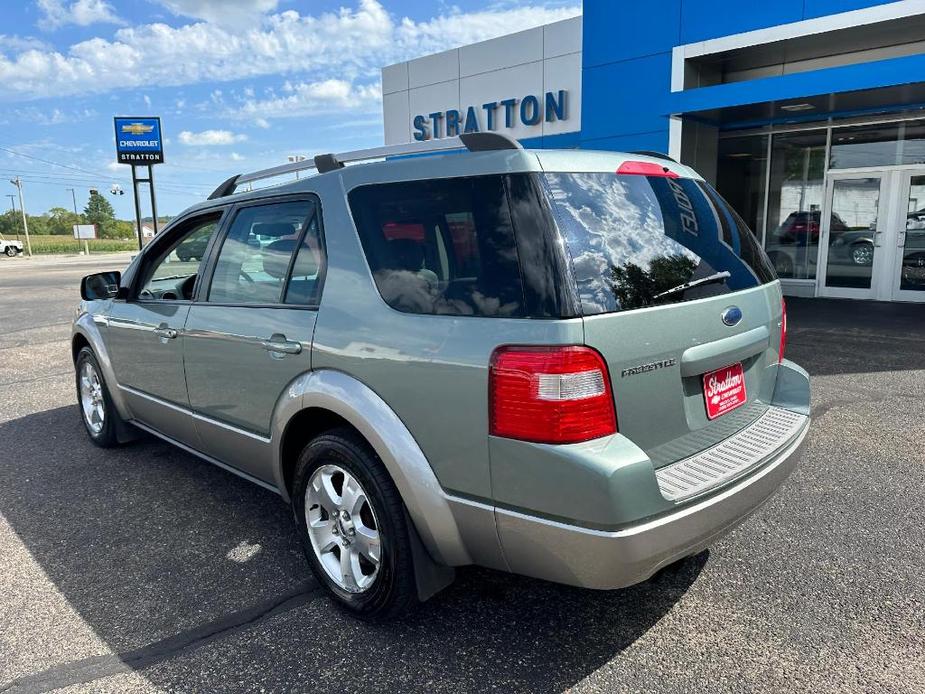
(139, 143)
(84, 232)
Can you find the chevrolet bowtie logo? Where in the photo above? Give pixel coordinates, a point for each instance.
(137, 128)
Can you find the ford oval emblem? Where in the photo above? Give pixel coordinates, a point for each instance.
(732, 315)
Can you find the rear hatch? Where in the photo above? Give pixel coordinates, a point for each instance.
(677, 296)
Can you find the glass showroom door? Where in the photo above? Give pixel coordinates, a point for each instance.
(908, 273)
(853, 225)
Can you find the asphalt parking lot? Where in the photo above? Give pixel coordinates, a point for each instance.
(144, 569)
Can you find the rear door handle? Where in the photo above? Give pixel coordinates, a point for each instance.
(280, 345)
(166, 332)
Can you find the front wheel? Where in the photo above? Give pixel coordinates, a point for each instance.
(11, 251)
(353, 527)
(98, 414)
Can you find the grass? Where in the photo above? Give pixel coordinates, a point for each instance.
(66, 244)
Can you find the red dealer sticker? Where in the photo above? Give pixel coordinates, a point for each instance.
(724, 390)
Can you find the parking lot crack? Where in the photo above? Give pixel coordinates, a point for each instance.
(101, 666)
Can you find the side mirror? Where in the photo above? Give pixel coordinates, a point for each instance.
(102, 285)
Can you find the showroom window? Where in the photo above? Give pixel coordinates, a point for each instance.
(795, 196)
(881, 144)
(741, 177)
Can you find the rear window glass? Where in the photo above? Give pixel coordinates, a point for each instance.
(441, 246)
(639, 241)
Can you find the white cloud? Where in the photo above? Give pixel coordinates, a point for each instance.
(57, 13)
(19, 44)
(262, 123)
(312, 98)
(234, 13)
(209, 138)
(147, 100)
(44, 117)
(351, 44)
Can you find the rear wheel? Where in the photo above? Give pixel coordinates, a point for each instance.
(96, 408)
(353, 527)
(11, 251)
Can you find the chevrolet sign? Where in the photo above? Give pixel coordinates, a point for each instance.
(138, 140)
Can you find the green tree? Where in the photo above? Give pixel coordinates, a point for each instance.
(10, 224)
(61, 221)
(99, 211)
(122, 229)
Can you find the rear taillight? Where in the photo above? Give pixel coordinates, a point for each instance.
(783, 331)
(550, 394)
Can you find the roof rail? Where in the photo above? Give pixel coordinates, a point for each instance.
(323, 163)
(656, 155)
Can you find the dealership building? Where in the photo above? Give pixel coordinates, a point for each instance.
(807, 115)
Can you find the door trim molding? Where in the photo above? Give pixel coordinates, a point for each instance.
(196, 415)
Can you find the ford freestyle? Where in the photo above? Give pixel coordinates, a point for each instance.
(563, 364)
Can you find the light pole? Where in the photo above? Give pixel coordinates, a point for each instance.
(77, 220)
(293, 158)
(22, 208)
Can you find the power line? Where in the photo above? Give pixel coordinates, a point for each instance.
(79, 169)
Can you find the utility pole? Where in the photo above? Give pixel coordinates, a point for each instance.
(22, 208)
(77, 214)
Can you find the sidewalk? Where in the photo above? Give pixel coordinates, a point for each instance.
(120, 258)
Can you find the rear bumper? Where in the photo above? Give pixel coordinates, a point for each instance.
(613, 559)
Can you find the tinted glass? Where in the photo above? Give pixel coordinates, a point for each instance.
(741, 177)
(444, 247)
(172, 275)
(638, 241)
(254, 260)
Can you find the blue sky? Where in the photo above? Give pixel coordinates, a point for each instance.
(239, 84)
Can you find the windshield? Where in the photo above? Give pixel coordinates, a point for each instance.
(639, 241)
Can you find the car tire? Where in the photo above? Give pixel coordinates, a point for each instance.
(11, 251)
(862, 253)
(331, 474)
(97, 412)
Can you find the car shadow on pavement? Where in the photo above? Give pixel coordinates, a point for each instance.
(171, 560)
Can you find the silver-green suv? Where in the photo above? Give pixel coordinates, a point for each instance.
(564, 364)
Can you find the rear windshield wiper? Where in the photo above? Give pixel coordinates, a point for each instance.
(709, 279)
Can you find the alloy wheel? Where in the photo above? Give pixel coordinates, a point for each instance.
(91, 398)
(343, 529)
(863, 254)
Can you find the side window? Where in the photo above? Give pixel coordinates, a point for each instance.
(307, 271)
(253, 263)
(441, 246)
(172, 275)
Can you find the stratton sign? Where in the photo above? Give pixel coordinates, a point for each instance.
(507, 113)
(138, 140)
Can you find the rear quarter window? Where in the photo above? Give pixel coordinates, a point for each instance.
(638, 241)
(441, 246)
